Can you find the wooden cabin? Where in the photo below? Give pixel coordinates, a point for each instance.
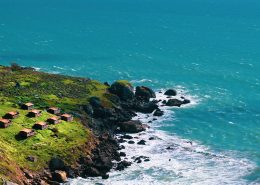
(28, 106)
(53, 120)
(67, 117)
(34, 113)
(40, 125)
(54, 110)
(26, 133)
(4, 123)
(11, 115)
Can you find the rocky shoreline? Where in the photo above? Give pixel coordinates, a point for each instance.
(106, 111)
(113, 126)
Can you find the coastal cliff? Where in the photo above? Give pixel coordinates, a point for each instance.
(83, 147)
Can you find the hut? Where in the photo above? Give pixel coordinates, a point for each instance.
(40, 125)
(34, 113)
(4, 123)
(54, 110)
(28, 106)
(25, 133)
(53, 120)
(67, 117)
(11, 115)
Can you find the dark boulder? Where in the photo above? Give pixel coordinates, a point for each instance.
(126, 137)
(186, 101)
(158, 113)
(122, 165)
(92, 172)
(142, 142)
(174, 102)
(170, 92)
(122, 154)
(123, 90)
(146, 107)
(144, 93)
(56, 164)
(131, 142)
(133, 126)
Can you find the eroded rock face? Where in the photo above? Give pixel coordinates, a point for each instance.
(170, 92)
(144, 93)
(123, 90)
(133, 126)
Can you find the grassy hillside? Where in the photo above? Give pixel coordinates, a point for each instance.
(19, 85)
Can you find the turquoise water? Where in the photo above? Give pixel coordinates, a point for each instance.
(209, 48)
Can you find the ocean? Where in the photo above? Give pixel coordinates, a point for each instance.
(206, 49)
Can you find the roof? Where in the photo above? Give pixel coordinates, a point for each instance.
(29, 104)
(4, 120)
(42, 123)
(54, 108)
(66, 115)
(27, 130)
(13, 113)
(36, 111)
(54, 118)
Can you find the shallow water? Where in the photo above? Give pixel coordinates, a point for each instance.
(207, 49)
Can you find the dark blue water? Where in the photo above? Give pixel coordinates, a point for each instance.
(208, 48)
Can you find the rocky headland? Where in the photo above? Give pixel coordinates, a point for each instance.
(86, 147)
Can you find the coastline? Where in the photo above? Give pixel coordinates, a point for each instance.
(109, 114)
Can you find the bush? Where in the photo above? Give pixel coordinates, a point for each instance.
(15, 67)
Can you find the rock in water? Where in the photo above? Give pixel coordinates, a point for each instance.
(142, 142)
(144, 93)
(122, 89)
(158, 113)
(170, 92)
(174, 102)
(122, 165)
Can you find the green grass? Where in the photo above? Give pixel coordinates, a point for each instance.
(67, 140)
(45, 144)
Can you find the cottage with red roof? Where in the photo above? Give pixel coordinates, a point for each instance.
(40, 125)
(11, 115)
(4, 123)
(53, 120)
(34, 113)
(67, 117)
(28, 106)
(54, 110)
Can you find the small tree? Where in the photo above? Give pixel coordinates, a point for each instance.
(15, 67)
